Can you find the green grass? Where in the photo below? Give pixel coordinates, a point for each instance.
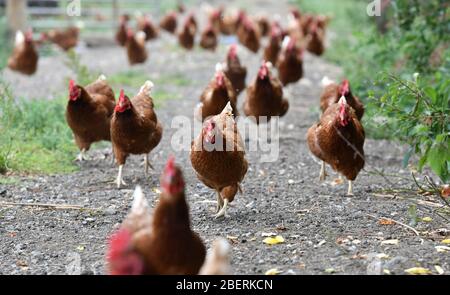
(34, 136)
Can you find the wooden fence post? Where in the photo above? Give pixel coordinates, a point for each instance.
(16, 14)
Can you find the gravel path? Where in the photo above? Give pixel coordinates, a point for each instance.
(325, 231)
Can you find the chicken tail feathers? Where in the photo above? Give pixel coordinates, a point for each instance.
(147, 88)
(326, 81)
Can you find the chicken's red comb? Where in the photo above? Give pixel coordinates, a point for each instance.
(122, 94)
(170, 165)
(119, 242)
(71, 83)
(233, 50)
(345, 86)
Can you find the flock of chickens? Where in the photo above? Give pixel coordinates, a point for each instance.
(162, 242)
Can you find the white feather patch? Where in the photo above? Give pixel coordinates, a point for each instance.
(101, 78)
(219, 67)
(269, 65)
(343, 100)
(222, 247)
(20, 37)
(140, 204)
(228, 109)
(326, 81)
(141, 36)
(147, 87)
(286, 41)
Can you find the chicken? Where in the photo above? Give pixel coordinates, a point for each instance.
(161, 243)
(169, 22)
(216, 96)
(136, 51)
(66, 39)
(265, 96)
(218, 158)
(333, 92)
(135, 128)
(186, 37)
(290, 62)
(306, 22)
(264, 25)
(24, 58)
(218, 259)
(316, 40)
(146, 25)
(88, 113)
(121, 34)
(338, 139)
(234, 71)
(180, 7)
(209, 38)
(214, 19)
(128, 247)
(192, 21)
(174, 248)
(273, 49)
(249, 35)
(227, 24)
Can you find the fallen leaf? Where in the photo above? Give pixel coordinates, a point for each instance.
(442, 249)
(274, 241)
(384, 221)
(418, 271)
(80, 248)
(427, 219)
(386, 271)
(330, 270)
(273, 272)
(439, 269)
(156, 190)
(445, 192)
(382, 256)
(390, 242)
(253, 239)
(22, 263)
(321, 243)
(233, 240)
(446, 241)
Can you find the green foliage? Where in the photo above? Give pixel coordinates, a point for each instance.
(84, 75)
(5, 45)
(381, 66)
(34, 136)
(419, 116)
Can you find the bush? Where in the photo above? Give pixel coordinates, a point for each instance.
(380, 67)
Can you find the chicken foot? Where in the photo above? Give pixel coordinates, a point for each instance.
(350, 188)
(81, 156)
(323, 173)
(223, 211)
(119, 180)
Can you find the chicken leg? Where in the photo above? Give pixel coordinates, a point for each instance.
(119, 180)
(81, 156)
(219, 202)
(223, 211)
(147, 164)
(323, 173)
(350, 188)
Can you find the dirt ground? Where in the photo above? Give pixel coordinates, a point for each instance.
(325, 231)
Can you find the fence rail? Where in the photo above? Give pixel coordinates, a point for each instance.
(96, 15)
